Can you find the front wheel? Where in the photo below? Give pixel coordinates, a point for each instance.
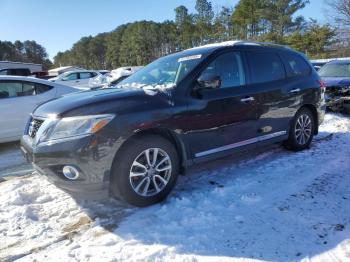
(301, 131)
(146, 171)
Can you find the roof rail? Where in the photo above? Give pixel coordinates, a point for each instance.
(247, 42)
(241, 42)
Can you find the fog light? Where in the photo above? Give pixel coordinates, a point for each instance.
(70, 172)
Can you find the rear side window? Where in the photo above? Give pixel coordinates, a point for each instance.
(297, 65)
(85, 75)
(73, 76)
(10, 89)
(229, 67)
(40, 88)
(265, 67)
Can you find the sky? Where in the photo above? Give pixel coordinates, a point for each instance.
(58, 24)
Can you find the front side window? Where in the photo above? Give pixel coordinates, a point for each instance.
(335, 70)
(3, 72)
(229, 68)
(265, 67)
(168, 70)
(297, 64)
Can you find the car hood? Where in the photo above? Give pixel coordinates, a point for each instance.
(86, 102)
(336, 81)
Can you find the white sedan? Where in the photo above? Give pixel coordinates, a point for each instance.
(19, 96)
(79, 79)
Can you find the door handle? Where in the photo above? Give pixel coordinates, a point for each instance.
(295, 90)
(247, 99)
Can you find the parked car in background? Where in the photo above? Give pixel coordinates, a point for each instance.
(336, 75)
(318, 65)
(103, 72)
(19, 96)
(113, 78)
(119, 74)
(41, 75)
(76, 78)
(15, 71)
(185, 108)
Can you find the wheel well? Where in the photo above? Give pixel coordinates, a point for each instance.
(313, 110)
(165, 133)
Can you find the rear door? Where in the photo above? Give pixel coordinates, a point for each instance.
(268, 77)
(222, 118)
(18, 99)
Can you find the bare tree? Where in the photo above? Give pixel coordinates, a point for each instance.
(342, 11)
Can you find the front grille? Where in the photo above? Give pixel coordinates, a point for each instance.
(34, 126)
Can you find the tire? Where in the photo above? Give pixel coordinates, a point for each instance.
(140, 180)
(299, 139)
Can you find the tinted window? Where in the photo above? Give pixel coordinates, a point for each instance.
(297, 64)
(40, 88)
(229, 67)
(3, 72)
(265, 67)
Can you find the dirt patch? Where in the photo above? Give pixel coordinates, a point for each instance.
(82, 221)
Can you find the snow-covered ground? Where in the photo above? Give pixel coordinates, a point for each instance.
(12, 162)
(270, 205)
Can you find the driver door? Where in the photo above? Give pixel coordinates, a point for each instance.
(224, 117)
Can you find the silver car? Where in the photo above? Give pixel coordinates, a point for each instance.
(19, 96)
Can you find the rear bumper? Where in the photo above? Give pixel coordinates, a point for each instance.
(91, 155)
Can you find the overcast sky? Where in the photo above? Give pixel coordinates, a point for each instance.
(58, 24)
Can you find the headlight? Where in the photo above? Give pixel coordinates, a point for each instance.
(71, 127)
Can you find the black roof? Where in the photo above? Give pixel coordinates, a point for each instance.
(205, 49)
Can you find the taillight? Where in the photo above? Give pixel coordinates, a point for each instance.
(322, 85)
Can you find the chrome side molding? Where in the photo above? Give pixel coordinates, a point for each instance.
(241, 143)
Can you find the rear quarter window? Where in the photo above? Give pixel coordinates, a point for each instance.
(41, 88)
(265, 67)
(296, 64)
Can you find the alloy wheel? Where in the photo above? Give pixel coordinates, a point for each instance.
(150, 172)
(303, 129)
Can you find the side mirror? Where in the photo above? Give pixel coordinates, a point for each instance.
(209, 81)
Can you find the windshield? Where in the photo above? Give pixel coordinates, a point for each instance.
(335, 70)
(166, 71)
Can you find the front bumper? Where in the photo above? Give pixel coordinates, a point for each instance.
(91, 155)
(338, 99)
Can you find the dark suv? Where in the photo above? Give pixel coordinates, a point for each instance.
(185, 108)
(15, 71)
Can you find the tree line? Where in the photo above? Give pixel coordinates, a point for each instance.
(27, 51)
(139, 43)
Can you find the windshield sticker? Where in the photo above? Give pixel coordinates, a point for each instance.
(191, 57)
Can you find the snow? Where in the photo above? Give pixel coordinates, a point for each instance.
(12, 162)
(270, 204)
